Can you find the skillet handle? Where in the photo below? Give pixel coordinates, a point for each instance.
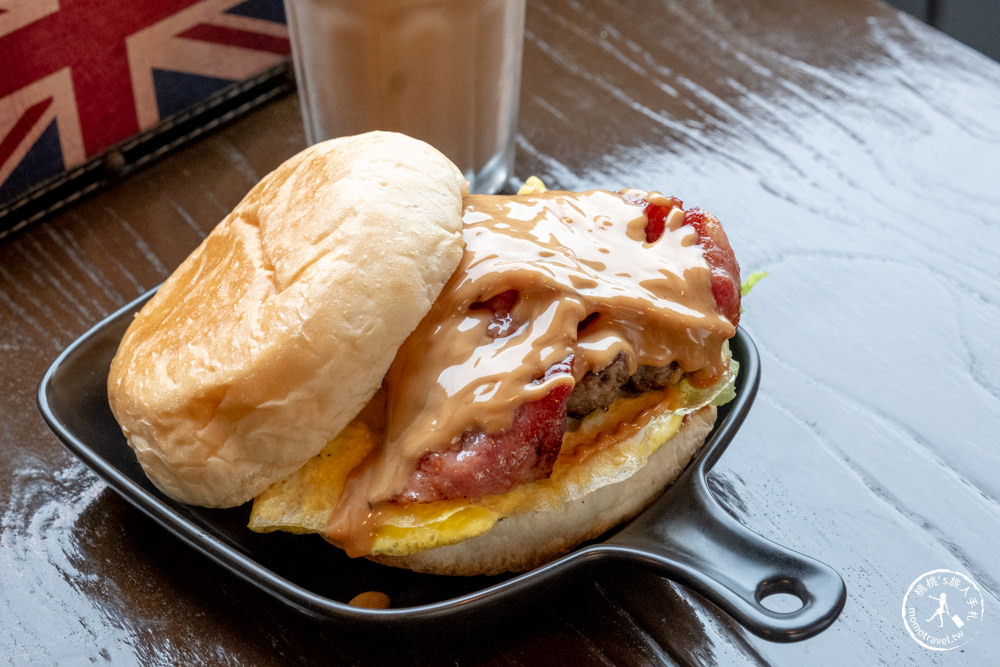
(689, 538)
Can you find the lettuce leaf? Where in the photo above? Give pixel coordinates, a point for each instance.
(752, 280)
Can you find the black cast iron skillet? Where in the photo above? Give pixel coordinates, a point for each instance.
(684, 536)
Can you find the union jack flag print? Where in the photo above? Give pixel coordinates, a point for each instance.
(79, 76)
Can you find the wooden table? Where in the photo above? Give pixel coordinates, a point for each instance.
(851, 152)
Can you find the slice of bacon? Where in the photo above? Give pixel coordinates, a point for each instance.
(718, 253)
(721, 259)
(483, 464)
(656, 217)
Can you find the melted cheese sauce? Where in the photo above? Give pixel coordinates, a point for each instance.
(571, 257)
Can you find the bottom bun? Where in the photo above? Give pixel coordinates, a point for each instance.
(521, 541)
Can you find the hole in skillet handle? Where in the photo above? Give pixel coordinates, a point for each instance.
(781, 601)
(689, 538)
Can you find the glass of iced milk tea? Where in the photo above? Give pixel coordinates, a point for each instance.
(445, 71)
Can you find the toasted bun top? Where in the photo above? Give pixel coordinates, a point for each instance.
(279, 327)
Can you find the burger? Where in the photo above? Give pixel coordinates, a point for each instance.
(452, 383)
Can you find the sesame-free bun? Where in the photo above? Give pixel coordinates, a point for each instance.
(279, 327)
